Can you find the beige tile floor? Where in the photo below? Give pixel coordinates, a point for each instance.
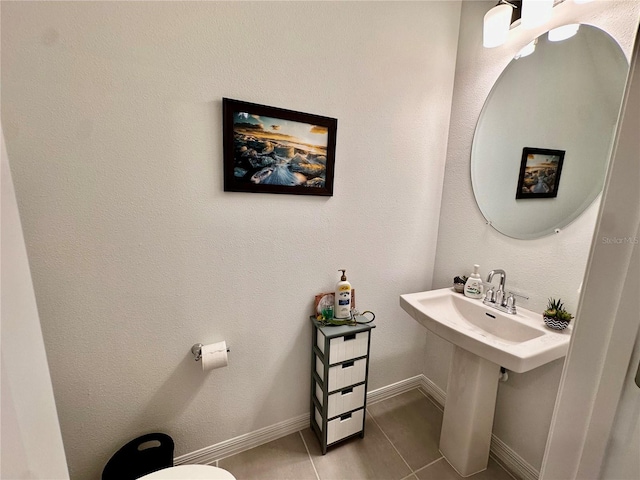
(400, 443)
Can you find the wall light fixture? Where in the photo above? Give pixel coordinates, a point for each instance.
(497, 22)
(536, 12)
(509, 14)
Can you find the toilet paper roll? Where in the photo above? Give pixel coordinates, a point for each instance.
(214, 356)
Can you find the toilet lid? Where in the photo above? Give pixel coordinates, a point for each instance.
(190, 472)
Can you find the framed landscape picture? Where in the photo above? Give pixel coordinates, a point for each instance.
(273, 150)
(540, 170)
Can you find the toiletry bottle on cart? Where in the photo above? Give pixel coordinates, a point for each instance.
(473, 287)
(342, 307)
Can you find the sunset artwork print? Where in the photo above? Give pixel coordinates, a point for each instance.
(539, 173)
(272, 150)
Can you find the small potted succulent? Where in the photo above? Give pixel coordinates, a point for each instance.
(555, 316)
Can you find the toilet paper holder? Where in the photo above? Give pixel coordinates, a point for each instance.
(197, 351)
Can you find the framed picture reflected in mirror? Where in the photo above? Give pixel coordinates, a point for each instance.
(540, 170)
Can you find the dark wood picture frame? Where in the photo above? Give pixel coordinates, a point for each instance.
(540, 170)
(273, 150)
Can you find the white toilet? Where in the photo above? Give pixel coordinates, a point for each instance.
(189, 472)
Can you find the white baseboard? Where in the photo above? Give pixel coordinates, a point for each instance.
(511, 461)
(432, 390)
(209, 455)
(394, 389)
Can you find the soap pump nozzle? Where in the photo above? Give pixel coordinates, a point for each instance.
(343, 277)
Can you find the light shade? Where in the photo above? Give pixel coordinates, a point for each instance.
(536, 12)
(563, 32)
(582, 1)
(496, 25)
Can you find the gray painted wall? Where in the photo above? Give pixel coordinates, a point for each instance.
(112, 116)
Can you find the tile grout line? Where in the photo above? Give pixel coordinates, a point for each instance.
(439, 407)
(411, 476)
(502, 467)
(429, 464)
(392, 445)
(428, 397)
(309, 453)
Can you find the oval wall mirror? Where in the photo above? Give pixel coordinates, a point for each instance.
(542, 143)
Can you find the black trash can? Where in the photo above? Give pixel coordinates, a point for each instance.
(140, 456)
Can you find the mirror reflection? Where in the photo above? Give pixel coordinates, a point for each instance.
(565, 97)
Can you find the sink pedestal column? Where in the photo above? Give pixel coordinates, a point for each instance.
(468, 413)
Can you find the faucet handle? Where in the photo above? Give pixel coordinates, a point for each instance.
(489, 297)
(500, 298)
(511, 301)
(510, 304)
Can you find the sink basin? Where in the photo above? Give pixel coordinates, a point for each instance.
(517, 342)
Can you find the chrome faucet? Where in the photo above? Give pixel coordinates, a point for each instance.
(497, 298)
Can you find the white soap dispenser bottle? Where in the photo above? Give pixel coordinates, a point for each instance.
(473, 287)
(342, 307)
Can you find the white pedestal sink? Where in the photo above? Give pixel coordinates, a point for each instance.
(485, 339)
